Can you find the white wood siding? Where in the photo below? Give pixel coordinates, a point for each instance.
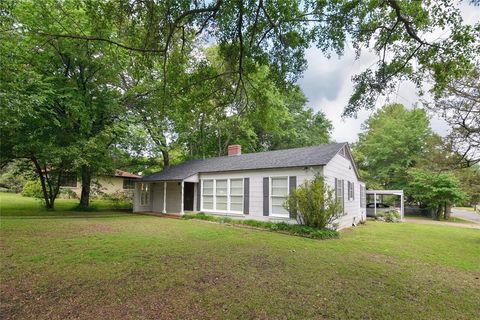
(342, 168)
(256, 187)
(174, 196)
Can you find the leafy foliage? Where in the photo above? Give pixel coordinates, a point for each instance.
(293, 229)
(32, 189)
(388, 216)
(313, 204)
(435, 190)
(393, 141)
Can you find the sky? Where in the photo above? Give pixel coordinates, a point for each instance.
(327, 85)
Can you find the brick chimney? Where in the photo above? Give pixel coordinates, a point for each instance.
(234, 150)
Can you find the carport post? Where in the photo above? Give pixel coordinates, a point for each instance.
(164, 197)
(375, 203)
(401, 205)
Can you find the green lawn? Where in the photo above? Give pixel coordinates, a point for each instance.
(112, 265)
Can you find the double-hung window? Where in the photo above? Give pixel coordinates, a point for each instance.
(236, 195)
(278, 196)
(351, 191)
(339, 192)
(221, 194)
(144, 194)
(207, 200)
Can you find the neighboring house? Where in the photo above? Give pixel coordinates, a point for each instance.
(254, 185)
(120, 181)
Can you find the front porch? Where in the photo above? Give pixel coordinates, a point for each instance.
(166, 197)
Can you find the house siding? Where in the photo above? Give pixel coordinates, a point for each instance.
(342, 168)
(256, 187)
(107, 184)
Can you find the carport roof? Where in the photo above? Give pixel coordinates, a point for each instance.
(298, 157)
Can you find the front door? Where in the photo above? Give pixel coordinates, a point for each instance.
(188, 193)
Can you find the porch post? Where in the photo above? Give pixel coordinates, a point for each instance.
(164, 197)
(183, 187)
(375, 203)
(401, 205)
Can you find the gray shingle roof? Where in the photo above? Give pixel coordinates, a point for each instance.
(299, 157)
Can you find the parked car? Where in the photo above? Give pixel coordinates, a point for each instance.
(381, 207)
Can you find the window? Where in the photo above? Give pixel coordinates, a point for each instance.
(207, 195)
(144, 194)
(221, 192)
(339, 192)
(68, 180)
(222, 195)
(128, 183)
(278, 196)
(350, 190)
(236, 195)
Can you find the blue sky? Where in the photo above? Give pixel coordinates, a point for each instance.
(327, 85)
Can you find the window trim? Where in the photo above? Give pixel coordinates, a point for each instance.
(130, 180)
(228, 195)
(270, 212)
(69, 175)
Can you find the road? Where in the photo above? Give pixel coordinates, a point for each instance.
(468, 215)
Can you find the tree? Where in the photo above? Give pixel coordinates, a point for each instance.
(435, 190)
(313, 204)
(393, 142)
(469, 181)
(61, 97)
(256, 33)
(459, 105)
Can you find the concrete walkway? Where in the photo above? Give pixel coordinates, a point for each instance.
(467, 215)
(416, 220)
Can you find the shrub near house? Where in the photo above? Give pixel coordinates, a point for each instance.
(313, 204)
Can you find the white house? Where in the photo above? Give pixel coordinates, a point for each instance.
(254, 185)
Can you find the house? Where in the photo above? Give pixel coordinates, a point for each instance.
(254, 185)
(108, 184)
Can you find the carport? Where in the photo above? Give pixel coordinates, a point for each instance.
(387, 192)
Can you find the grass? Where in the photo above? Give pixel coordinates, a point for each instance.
(114, 265)
(451, 219)
(282, 227)
(12, 204)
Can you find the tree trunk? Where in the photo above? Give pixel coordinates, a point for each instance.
(86, 179)
(46, 198)
(448, 211)
(166, 158)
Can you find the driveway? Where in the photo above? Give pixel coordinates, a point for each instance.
(468, 215)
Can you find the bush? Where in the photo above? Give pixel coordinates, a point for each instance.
(67, 193)
(313, 204)
(33, 189)
(389, 216)
(119, 198)
(293, 229)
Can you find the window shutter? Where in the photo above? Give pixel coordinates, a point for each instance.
(246, 194)
(199, 197)
(292, 184)
(353, 192)
(343, 195)
(266, 191)
(336, 188)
